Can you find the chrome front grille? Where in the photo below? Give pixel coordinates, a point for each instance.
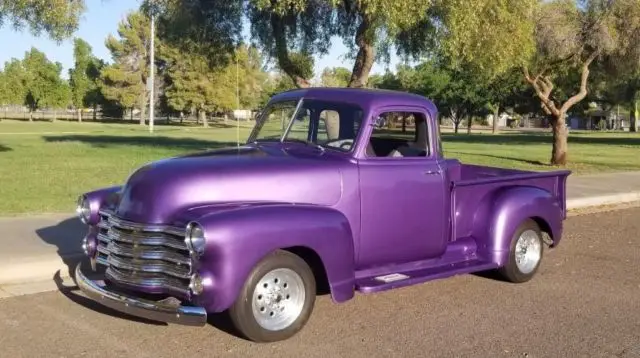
(149, 258)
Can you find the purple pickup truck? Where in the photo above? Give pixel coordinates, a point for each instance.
(325, 195)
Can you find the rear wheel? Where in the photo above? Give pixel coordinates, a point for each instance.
(277, 299)
(525, 253)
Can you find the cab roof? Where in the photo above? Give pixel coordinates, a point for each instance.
(367, 98)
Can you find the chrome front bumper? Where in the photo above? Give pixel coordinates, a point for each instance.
(155, 311)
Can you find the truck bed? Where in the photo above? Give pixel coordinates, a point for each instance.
(471, 185)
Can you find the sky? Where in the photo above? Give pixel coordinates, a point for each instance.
(101, 19)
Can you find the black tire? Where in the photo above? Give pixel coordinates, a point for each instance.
(241, 312)
(510, 270)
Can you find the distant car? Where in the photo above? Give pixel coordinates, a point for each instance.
(321, 195)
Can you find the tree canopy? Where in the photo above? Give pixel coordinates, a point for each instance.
(125, 81)
(58, 19)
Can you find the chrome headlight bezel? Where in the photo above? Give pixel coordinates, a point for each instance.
(196, 285)
(195, 239)
(89, 246)
(83, 209)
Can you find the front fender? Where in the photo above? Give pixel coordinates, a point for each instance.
(100, 198)
(506, 210)
(237, 239)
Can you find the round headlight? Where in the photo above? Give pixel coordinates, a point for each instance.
(83, 210)
(194, 238)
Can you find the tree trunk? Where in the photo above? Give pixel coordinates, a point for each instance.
(469, 124)
(494, 126)
(143, 113)
(31, 115)
(282, 53)
(79, 111)
(456, 124)
(203, 117)
(366, 55)
(560, 134)
(633, 117)
(332, 125)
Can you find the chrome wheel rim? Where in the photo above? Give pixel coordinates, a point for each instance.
(528, 251)
(278, 299)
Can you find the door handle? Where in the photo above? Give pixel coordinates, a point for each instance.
(433, 172)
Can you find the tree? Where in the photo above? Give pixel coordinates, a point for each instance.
(59, 19)
(569, 39)
(372, 26)
(194, 85)
(13, 81)
(457, 90)
(487, 36)
(189, 86)
(335, 77)
(125, 81)
(552, 41)
(623, 63)
(504, 90)
(252, 76)
(294, 31)
(42, 82)
(60, 96)
(83, 77)
(213, 29)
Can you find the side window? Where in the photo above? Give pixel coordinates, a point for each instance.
(399, 135)
(300, 127)
(328, 126)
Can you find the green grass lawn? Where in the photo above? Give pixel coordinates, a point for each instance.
(44, 166)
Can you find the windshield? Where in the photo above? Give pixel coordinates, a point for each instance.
(328, 124)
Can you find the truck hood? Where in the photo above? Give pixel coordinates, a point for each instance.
(161, 191)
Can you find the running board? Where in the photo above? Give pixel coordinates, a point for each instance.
(412, 277)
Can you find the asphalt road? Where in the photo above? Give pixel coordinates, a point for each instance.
(585, 302)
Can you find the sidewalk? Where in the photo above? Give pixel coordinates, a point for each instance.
(34, 249)
(602, 189)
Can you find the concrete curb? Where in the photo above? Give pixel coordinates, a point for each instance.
(600, 200)
(35, 275)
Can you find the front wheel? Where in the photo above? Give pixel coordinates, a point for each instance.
(525, 253)
(277, 299)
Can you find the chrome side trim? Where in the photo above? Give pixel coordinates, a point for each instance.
(153, 310)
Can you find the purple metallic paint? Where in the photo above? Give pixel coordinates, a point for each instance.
(158, 191)
(238, 238)
(428, 217)
(100, 198)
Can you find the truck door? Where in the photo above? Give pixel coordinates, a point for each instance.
(404, 199)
